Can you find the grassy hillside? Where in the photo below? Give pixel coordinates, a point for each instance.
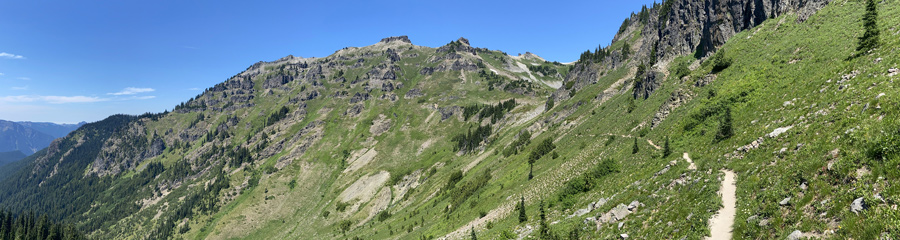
(397, 141)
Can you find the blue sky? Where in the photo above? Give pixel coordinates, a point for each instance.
(71, 61)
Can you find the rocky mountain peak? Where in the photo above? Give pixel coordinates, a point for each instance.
(403, 38)
(464, 41)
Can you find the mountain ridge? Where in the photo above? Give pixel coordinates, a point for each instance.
(394, 140)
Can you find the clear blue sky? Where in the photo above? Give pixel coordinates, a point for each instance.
(71, 61)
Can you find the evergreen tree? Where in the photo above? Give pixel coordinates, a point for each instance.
(634, 149)
(544, 229)
(869, 39)
(666, 150)
(473, 234)
(522, 216)
(725, 128)
(530, 170)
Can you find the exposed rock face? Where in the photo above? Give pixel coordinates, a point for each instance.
(413, 93)
(403, 38)
(649, 83)
(460, 45)
(277, 81)
(705, 25)
(448, 112)
(126, 151)
(427, 71)
(692, 26)
(359, 97)
(675, 100)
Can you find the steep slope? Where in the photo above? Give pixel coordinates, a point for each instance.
(8, 157)
(15, 137)
(397, 141)
(10, 163)
(311, 124)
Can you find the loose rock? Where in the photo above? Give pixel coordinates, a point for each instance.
(785, 202)
(796, 235)
(858, 205)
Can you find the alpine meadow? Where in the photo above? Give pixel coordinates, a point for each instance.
(701, 119)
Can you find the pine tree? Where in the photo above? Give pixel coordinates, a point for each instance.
(725, 128)
(869, 39)
(634, 149)
(666, 150)
(522, 216)
(544, 229)
(530, 170)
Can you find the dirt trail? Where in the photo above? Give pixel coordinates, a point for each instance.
(654, 145)
(688, 159)
(720, 225)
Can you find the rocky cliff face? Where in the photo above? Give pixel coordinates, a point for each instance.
(705, 25)
(677, 28)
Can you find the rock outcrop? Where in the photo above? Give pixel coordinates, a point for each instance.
(690, 27)
(403, 38)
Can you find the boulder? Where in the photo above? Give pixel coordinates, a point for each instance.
(620, 212)
(785, 202)
(779, 131)
(858, 205)
(795, 235)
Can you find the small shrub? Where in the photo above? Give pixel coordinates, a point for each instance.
(383, 215)
(609, 140)
(341, 206)
(720, 61)
(725, 128)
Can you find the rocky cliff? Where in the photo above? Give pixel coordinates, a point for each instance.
(655, 36)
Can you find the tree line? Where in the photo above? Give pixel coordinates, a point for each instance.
(28, 226)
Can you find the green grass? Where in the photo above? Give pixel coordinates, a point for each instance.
(780, 61)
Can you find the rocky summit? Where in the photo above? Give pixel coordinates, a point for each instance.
(741, 119)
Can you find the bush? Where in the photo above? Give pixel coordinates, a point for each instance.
(725, 128)
(454, 178)
(585, 182)
(546, 146)
(341, 206)
(383, 215)
(681, 69)
(720, 61)
(631, 105)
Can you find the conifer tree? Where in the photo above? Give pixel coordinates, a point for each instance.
(869, 39)
(725, 128)
(522, 216)
(666, 150)
(634, 149)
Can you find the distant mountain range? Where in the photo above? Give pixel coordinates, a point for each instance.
(30, 137)
(8, 157)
